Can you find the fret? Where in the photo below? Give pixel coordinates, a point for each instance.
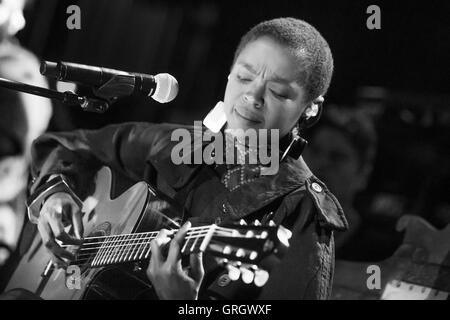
(109, 249)
(94, 261)
(149, 248)
(193, 245)
(104, 251)
(121, 252)
(185, 245)
(146, 243)
(115, 247)
(195, 242)
(126, 248)
(100, 253)
(207, 238)
(133, 247)
(141, 241)
(120, 248)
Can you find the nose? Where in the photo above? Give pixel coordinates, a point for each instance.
(254, 95)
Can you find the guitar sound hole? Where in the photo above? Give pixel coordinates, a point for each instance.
(91, 246)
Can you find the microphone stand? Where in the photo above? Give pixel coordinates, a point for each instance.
(68, 97)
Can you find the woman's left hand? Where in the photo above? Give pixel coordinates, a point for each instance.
(169, 279)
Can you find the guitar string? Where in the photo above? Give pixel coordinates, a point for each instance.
(133, 257)
(139, 241)
(136, 250)
(155, 232)
(136, 237)
(116, 253)
(137, 257)
(134, 247)
(119, 241)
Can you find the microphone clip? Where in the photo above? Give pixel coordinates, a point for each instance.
(88, 104)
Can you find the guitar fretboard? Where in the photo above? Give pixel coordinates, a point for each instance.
(107, 250)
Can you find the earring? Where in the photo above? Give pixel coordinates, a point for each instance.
(296, 146)
(216, 118)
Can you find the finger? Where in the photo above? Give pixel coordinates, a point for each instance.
(54, 220)
(175, 244)
(77, 222)
(162, 238)
(156, 257)
(196, 271)
(48, 241)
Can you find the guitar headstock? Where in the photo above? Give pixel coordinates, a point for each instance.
(248, 250)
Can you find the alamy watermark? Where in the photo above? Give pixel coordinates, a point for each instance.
(235, 146)
(374, 279)
(374, 20)
(73, 22)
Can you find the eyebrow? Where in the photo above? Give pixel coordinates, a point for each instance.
(276, 78)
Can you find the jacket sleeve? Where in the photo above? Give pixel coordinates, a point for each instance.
(125, 148)
(306, 270)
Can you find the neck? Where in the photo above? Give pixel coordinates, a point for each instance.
(107, 250)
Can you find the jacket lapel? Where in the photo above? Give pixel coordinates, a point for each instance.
(262, 191)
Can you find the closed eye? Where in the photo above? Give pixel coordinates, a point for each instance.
(279, 95)
(243, 79)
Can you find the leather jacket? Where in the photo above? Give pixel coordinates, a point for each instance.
(294, 197)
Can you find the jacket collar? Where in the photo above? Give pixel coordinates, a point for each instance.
(248, 198)
(253, 196)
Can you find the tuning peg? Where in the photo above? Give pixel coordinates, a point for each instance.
(233, 272)
(242, 222)
(240, 253)
(284, 235)
(256, 223)
(222, 261)
(249, 234)
(253, 255)
(261, 277)
(247, 275)
(226, 250)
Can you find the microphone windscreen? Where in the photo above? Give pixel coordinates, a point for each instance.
(166, 88)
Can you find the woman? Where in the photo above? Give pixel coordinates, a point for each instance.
(280, 72)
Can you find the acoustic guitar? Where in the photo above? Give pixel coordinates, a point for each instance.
(111, 261)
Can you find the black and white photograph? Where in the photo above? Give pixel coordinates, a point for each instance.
(224, 151)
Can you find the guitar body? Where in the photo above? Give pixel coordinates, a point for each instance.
(139, 208)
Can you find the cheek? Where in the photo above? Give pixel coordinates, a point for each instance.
(233, 92)
(283, 116)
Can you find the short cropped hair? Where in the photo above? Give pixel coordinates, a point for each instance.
(306, 43)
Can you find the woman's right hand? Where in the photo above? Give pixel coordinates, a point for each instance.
(58, 213)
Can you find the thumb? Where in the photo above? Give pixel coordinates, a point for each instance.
(196, 262)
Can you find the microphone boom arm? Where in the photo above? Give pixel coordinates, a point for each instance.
(68, 97)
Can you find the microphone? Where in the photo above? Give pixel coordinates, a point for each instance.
(112, 83)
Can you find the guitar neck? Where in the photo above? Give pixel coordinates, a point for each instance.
(108, 250)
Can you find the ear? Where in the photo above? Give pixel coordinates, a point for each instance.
(314, 109)
(312, 113)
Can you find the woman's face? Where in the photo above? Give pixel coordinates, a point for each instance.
(262, 91)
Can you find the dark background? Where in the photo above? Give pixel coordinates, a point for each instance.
(404, 68)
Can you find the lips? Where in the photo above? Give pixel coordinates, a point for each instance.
(248, 115)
